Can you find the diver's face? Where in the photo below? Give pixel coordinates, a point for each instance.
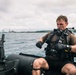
(61, 24)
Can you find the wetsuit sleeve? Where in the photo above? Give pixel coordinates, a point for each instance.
(72, 39)
(45, 37)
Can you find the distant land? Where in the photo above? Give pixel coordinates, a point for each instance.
(38, 31)
(41, 31)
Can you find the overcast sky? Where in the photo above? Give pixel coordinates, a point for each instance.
(35, 14)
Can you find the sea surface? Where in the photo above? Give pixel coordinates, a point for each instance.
(16, 43)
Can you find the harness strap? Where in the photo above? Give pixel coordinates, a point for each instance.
(69, 53)
(59, 40)
(50, 37)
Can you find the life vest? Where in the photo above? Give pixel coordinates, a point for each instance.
(59, 37)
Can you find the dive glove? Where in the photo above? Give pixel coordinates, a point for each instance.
(60, 46)
(39, 44)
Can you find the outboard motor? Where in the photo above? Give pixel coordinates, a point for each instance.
(6, 67)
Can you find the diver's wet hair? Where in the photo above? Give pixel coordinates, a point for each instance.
(62, 17)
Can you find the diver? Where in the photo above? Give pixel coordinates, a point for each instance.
(61, 44)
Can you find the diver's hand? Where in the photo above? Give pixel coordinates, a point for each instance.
(60, 46)
(39, 44)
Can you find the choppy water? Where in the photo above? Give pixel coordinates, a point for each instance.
(22, 42)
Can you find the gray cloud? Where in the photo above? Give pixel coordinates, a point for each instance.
(58, 6)
(35, 14)
(4, 4)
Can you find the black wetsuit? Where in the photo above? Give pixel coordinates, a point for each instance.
(59, 62)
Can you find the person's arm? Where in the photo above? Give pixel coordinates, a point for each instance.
(73, 48)
(70, 47)
(73, 43)
(42, 40)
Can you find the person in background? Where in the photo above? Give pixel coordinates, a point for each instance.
(61, 44)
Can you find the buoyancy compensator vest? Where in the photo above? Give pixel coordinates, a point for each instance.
(58, 36)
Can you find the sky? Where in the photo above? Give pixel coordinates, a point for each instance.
(35, 14)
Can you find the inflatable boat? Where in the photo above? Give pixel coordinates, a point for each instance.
(20, 64)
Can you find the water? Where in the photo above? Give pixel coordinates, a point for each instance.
(22, 42)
